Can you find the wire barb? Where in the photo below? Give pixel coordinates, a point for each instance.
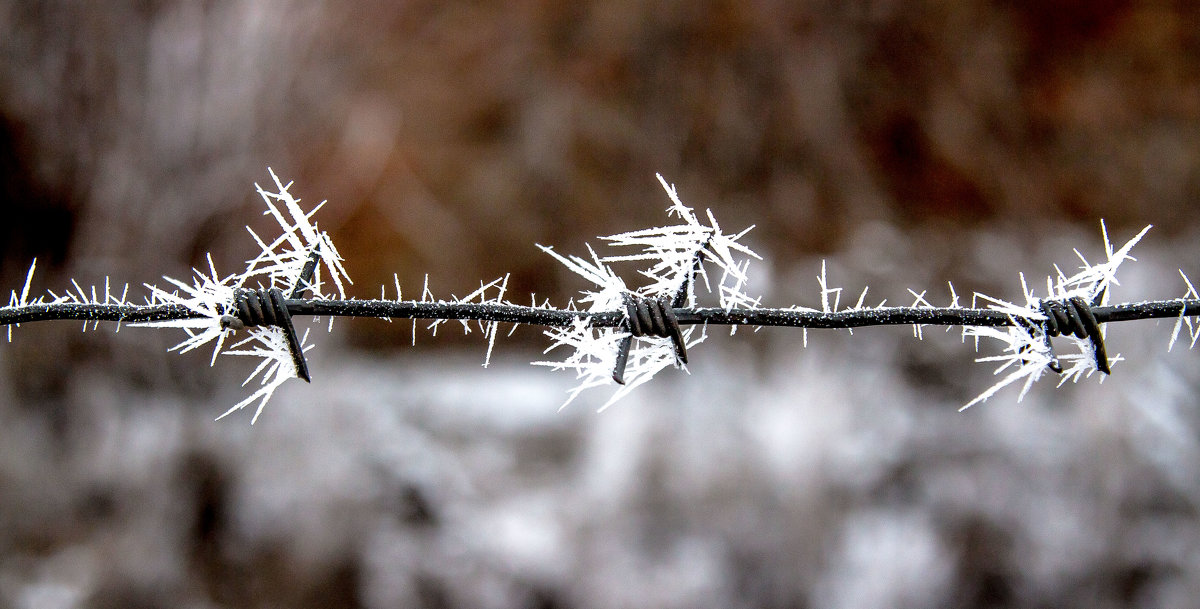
(648, 317)
(252, 308)
(304, 283)
(1074, 317)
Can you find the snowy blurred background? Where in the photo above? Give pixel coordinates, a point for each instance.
(907, 143)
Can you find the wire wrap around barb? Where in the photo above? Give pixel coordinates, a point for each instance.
(268, 307)
(1073, 317)
(648, 317)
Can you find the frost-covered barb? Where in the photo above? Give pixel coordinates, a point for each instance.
(294, 262)
(1028, 353)
(677, 259)
(619, 333)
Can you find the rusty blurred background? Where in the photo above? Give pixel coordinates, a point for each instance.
(909, 143)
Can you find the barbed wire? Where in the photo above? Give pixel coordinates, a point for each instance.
(625, 336)
(538, 316)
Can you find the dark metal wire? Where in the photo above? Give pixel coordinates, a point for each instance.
(538, 316)
(650, 317)
(390, 309)
(267, 307)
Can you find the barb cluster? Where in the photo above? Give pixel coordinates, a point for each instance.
(649, 317)
(613, 333)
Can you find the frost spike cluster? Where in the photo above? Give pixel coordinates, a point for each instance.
(1027, 353)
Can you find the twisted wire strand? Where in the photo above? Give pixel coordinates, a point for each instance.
(541, 316)
(548, 317)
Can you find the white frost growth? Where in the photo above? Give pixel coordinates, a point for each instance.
(209, 296)
(480, 296)
(281, 261)
(677, 259)
(276, 367)
(673, 250)
(17, 302)
(278, 264)
(1192, 326)
(1026, 351)
(80, 296)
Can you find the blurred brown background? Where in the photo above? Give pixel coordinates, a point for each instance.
(910, 143)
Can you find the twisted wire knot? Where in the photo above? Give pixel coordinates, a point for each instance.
(266, 307)
(648, 317)
(1073, 317)
(252, 308)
